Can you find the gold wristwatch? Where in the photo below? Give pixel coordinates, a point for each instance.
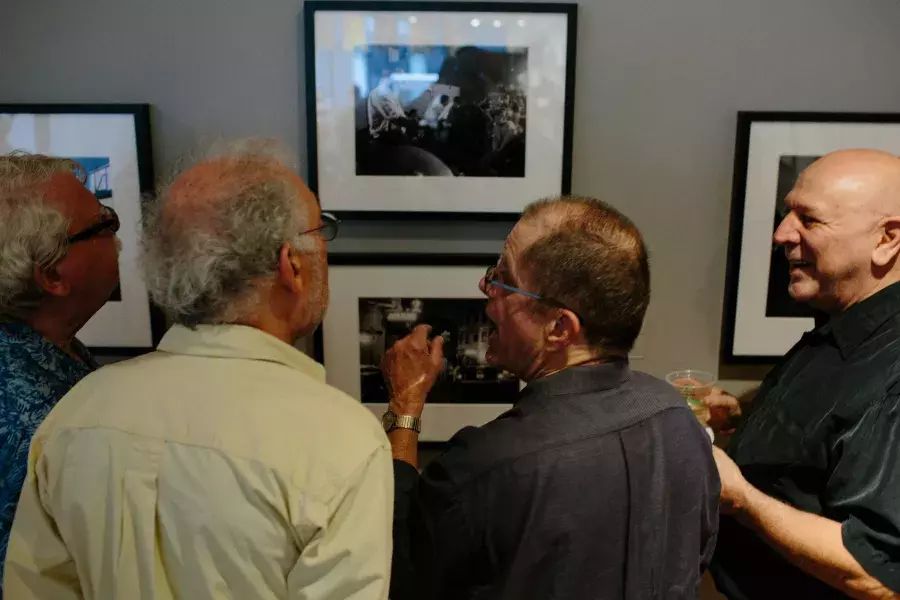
(391, 420)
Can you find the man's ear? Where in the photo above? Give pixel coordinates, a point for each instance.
(51, 281)
(889, 245)
(291, 269)
(566, 329)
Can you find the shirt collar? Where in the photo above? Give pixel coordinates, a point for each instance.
(859, 322)
(575, 380)
(238, 341)
(38, 342)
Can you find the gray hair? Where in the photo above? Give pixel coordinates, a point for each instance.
(32, 231)
(205, 246)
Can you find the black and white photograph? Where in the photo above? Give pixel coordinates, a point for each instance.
(466, 376)
(377, 299)
(779, 302)
(430, 111)
(441, 111)
(111, 143)
(761, 322)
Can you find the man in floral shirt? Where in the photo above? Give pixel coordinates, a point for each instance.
(58, 266)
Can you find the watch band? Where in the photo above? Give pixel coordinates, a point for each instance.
(391, 420)
(408, 422)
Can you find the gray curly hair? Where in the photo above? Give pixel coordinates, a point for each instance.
(32, 232)
(208, 238)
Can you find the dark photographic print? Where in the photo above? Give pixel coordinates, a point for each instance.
(779, 302)
(440, 110)
(466, 377)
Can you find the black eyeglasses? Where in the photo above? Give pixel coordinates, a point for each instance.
(328, 230)
(490, 279)
(108, 220)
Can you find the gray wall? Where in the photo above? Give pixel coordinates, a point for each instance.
(658, 85)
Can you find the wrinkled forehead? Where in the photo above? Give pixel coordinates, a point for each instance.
(832, 197)
(72, 199)
(523, 235)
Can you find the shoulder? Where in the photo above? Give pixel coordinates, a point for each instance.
(258, 410)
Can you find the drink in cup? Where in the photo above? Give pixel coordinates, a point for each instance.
(694, 386)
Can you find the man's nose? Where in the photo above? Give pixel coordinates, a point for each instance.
(786, 232)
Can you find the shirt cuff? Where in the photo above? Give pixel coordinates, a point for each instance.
(875, 552)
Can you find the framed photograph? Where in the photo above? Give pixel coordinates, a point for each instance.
(377, 299)
(112, 144)
(438, 109)
(761, 320)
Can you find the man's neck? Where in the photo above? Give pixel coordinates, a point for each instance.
(573, 357)
(267, 324)
(55, 329)
(865, 293)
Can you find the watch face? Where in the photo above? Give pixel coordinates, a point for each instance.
(388, 419)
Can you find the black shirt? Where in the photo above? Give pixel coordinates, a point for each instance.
(598, 483)
(824, 436)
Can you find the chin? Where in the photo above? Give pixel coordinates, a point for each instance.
(802, 294)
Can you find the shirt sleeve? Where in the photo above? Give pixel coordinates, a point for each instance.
(403, 571)
(351, 557)
(441, 532)
(38, 564)
(864, 491)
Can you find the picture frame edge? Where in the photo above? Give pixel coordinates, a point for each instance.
(745, 121)
(141, 114)
(310, 7)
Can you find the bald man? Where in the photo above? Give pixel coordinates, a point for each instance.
(811, 481)
(222, 465)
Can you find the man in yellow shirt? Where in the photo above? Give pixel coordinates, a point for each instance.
(221, 465)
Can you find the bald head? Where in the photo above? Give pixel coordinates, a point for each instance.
(213, 239)
(858, 180)
(842, 232)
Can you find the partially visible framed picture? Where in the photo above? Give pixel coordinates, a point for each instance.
(438, 109)
(377, 299)
(761, 321)
(112, 143)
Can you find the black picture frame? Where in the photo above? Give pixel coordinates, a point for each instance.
(807, 147)
(140, 113)
(569, 10)
(425, 277)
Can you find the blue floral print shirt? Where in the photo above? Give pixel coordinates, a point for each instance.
(34, 375)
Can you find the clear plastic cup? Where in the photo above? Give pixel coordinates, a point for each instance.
(694, 386)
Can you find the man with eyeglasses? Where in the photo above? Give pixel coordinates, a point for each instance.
(599, 483)
(221, 465)
(58, 266)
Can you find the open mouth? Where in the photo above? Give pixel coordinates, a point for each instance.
(799, 264)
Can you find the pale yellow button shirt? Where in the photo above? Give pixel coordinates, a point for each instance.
(220, 466)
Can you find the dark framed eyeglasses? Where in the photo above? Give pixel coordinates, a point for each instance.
(109, 220)
(329, 228)
(490, 279)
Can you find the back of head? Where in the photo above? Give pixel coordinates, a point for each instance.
(32, 231)
(212, 236)
(591, 258)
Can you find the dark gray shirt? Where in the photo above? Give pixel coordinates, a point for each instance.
(599, 483)
(823, 435)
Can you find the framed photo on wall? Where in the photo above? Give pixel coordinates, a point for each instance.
(761, 321)
(438, 109)
(111, 142)
(377, 299)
